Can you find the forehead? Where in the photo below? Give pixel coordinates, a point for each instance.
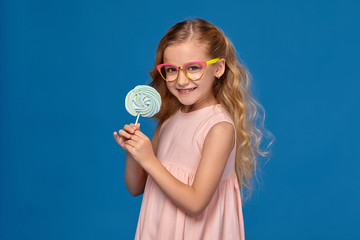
(182, 53)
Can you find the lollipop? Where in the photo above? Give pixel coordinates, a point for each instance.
(143, 100)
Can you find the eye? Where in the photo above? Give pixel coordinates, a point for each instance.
(193, 67)
(170, 69)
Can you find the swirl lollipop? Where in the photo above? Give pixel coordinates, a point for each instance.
(143, 100)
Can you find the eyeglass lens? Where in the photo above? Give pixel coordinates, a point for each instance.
(193, 71)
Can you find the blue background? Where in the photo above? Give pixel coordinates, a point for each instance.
(66, 67)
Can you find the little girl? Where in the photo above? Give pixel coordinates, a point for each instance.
(202, 153)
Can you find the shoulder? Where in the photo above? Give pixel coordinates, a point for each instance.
(218, 125)
(222, 127)
(216, 116)
(222, 132)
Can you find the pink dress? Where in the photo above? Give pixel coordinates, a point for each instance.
(181, 140)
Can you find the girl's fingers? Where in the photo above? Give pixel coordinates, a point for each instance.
(130, 128)
(126, 137)
(140, 134)
(137, 126)
(130, 143)
(124, 134)
(129, 148)
(135, 137)
(116, 137)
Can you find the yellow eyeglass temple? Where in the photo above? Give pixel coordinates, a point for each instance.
(212, 61)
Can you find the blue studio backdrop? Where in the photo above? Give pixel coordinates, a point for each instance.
(65, 69)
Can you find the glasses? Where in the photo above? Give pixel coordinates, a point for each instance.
(193, 70)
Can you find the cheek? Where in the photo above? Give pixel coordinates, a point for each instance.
(210, 75)
(209, 79)
(170, 86)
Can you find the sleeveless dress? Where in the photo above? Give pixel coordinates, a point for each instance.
(181, 139)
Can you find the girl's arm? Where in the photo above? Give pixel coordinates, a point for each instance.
(193, 199)
(135, 175)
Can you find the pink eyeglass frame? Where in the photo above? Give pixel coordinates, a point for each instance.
(203, 64)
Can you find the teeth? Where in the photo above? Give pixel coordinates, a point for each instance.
(186, 90)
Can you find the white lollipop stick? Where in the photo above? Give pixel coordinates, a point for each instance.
(143, 100)
(137, 119)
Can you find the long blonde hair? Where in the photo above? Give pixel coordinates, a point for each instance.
(232, 91)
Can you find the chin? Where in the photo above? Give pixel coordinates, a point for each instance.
(186, 102)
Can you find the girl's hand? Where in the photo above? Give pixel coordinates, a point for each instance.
(140, 147)
(125, 134)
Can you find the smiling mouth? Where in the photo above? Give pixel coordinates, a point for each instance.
(187, 90)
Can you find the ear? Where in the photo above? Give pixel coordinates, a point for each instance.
(220, 68)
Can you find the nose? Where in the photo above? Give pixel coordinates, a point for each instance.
(182, 80)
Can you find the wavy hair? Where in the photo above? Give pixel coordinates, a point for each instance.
(231, 90)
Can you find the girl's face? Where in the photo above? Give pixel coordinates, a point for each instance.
(197, 94)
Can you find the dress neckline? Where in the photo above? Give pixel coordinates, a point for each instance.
(198, 110)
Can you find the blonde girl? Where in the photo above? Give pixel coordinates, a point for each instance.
(202, 154)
